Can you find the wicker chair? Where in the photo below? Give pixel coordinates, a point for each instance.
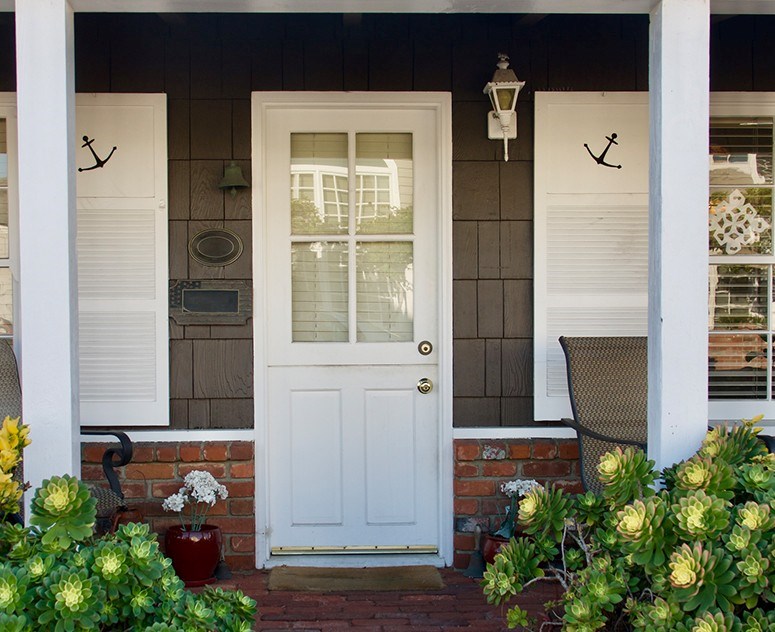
(109, 501)
(607, 383)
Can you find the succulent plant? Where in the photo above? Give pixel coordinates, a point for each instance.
(13, 590)
(543, 510)
(590, 509)
(759, 479)
(582, 616)
(65, 510)
(194, 614)
(55, 576)
(517, 562)
(643, 530)
(626, 475)
(755, 577)
(711, 622)
(701, 517)
(603, 587)
(701, 578)
(71, 601)
(740, 538)
(110, 561)
(758, 621)
(657, 616)
(736, 445)
(713, 476)
(755, 517)
(14, 623)
(161, 627)
(698, 556)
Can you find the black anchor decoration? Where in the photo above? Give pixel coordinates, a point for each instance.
(99, 163)
(601, 158)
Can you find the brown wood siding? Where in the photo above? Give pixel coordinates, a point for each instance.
(209, 64)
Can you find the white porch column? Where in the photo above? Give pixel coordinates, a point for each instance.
(47, 229)
(678, 225)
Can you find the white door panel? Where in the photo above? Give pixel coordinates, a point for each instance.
(354, 465)
(352, 197)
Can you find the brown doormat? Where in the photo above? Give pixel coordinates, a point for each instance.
(384, 578)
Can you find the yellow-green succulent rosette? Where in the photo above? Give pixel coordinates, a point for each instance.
(64, 509)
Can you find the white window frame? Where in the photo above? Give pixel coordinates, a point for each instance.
(8, 112)
(730, 104)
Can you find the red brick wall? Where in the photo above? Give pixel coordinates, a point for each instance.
(482, 465)
(157, 470)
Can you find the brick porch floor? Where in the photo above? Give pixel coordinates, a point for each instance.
(459, 606)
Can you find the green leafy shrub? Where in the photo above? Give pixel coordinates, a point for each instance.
(55, 576)
(696, 556)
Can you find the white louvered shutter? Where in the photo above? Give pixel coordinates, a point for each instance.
(591, 229)
(122, 260)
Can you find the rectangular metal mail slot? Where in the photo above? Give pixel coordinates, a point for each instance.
(354, 549)
(211, 301)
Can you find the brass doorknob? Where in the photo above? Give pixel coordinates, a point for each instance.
(425, 386)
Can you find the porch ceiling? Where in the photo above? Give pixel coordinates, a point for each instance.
(395, 6)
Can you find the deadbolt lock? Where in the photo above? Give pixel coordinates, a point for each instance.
(425, 386)
(425, 348)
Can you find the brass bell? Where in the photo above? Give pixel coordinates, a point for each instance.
(233, 179)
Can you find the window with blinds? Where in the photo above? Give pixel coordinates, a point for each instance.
(591, 243)
(352, 240)
(740, 280)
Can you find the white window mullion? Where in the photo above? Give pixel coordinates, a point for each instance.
(352, 293)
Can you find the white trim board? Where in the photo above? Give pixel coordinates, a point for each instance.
(735, 7)
(176, 436)
(528, 432)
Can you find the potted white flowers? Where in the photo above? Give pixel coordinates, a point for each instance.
(195, 547)
(514, 490)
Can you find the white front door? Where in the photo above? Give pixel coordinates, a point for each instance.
(351, 204)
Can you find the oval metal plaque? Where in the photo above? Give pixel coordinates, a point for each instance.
(215, 247)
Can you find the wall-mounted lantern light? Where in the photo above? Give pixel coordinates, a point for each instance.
(233, 179)
(503, 91)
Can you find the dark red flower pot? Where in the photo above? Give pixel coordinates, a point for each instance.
(194, 554)
(491, 545)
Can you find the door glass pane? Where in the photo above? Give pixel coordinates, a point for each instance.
(319, 291)
(737, 366)
(384, 186)
(319, 184)
(738, 297)
(6, 303)
(385, 291)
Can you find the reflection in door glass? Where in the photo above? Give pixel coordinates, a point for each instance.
(384, 195)
(319, 184)
(385, 291)
(319, 291)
